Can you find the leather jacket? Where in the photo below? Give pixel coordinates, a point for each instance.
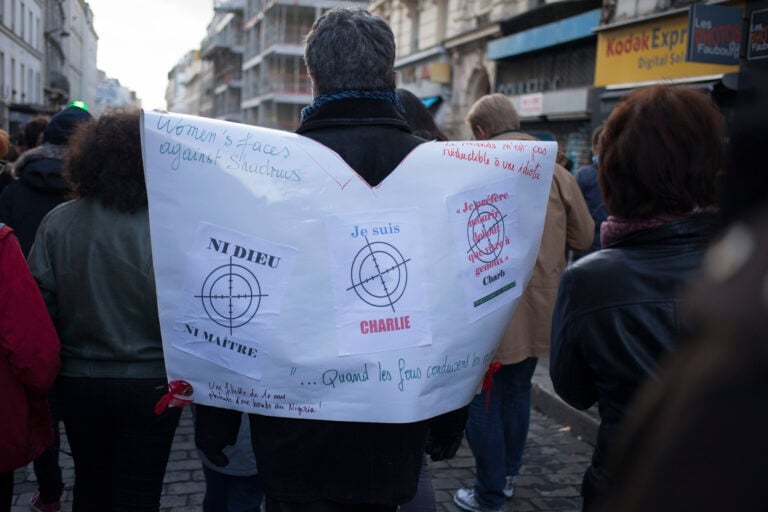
(617, 313)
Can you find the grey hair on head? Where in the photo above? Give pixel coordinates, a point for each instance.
(350, 49)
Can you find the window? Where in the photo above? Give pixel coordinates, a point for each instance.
(13, 79)
(3, 92)
(21, 21)
(415, 12)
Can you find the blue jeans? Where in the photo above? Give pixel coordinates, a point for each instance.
(497, 436)
(229, 493)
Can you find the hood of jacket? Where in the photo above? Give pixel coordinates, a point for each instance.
(40, 168)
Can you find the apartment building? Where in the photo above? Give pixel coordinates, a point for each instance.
(190, 86)
(540, 54)
(110, 93)
(80, 47)
(21, 61)
(276, 84)
(223, 48)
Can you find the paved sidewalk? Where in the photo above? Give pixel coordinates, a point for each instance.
(555, 459)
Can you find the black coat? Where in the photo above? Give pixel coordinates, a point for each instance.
(303, 460)
(617, 313)
(695, 439)
(586, 178)
(39, 188)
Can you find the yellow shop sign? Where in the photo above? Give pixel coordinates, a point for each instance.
(649, 51)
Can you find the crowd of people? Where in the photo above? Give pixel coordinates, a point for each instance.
(645, 322)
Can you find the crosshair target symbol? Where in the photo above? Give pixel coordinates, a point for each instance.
(379, 274)
(231, 295)
(485, 232)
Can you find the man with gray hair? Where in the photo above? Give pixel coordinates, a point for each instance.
(327, 466)
(498, 421)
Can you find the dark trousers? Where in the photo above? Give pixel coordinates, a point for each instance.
(6, 491)
(119, 446)
(323, 506)
(47, 469)
(229, 493)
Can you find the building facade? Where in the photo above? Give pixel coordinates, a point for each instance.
(81, 49)
(111, 94)
(646, 42)
(21, 62)
(545, 63)
(190, 82)
(540, 54)
(223, 48)
(276, 85)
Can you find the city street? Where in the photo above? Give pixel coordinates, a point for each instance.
(555, 460)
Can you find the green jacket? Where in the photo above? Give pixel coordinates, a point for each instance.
(93, 265)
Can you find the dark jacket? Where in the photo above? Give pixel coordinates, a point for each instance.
(695, 438)
(39, 188)
(29, 360)
(6, 168)
(349, 462)
(39, 185)
(617, 313)
(586, 178)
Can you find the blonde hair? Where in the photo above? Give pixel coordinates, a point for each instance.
(495, 113)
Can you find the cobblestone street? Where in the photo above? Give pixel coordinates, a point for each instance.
(555, 460)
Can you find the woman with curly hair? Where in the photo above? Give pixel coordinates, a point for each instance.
(93, 263)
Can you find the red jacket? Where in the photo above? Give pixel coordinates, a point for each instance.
(29, 360)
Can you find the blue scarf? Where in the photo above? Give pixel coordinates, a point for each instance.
(377, 94)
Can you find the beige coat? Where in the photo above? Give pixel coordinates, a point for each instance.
(567, 223)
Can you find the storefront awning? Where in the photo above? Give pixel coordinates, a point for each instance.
(431, 101)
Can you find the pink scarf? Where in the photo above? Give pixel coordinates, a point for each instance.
(615, 228)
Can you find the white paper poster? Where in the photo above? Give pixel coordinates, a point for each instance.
(488, 241)
(379, 281)
(232, 290)
(288, 286)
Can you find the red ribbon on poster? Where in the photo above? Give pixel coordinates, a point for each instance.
(179, 395)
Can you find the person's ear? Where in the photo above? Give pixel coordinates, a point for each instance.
(314, 86)
(479, 132)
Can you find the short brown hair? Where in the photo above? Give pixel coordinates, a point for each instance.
(660, 153)
(495, 113)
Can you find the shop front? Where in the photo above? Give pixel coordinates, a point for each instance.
(652, 50)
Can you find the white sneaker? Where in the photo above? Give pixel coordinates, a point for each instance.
(509, 487)
(465, 499)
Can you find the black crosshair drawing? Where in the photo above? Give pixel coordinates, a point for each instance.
(485, 232)
(231, 295)
(379, 274)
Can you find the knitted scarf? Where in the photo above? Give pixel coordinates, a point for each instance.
(377, 94)
(615, 228)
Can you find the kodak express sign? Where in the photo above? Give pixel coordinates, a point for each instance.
(649, 51)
